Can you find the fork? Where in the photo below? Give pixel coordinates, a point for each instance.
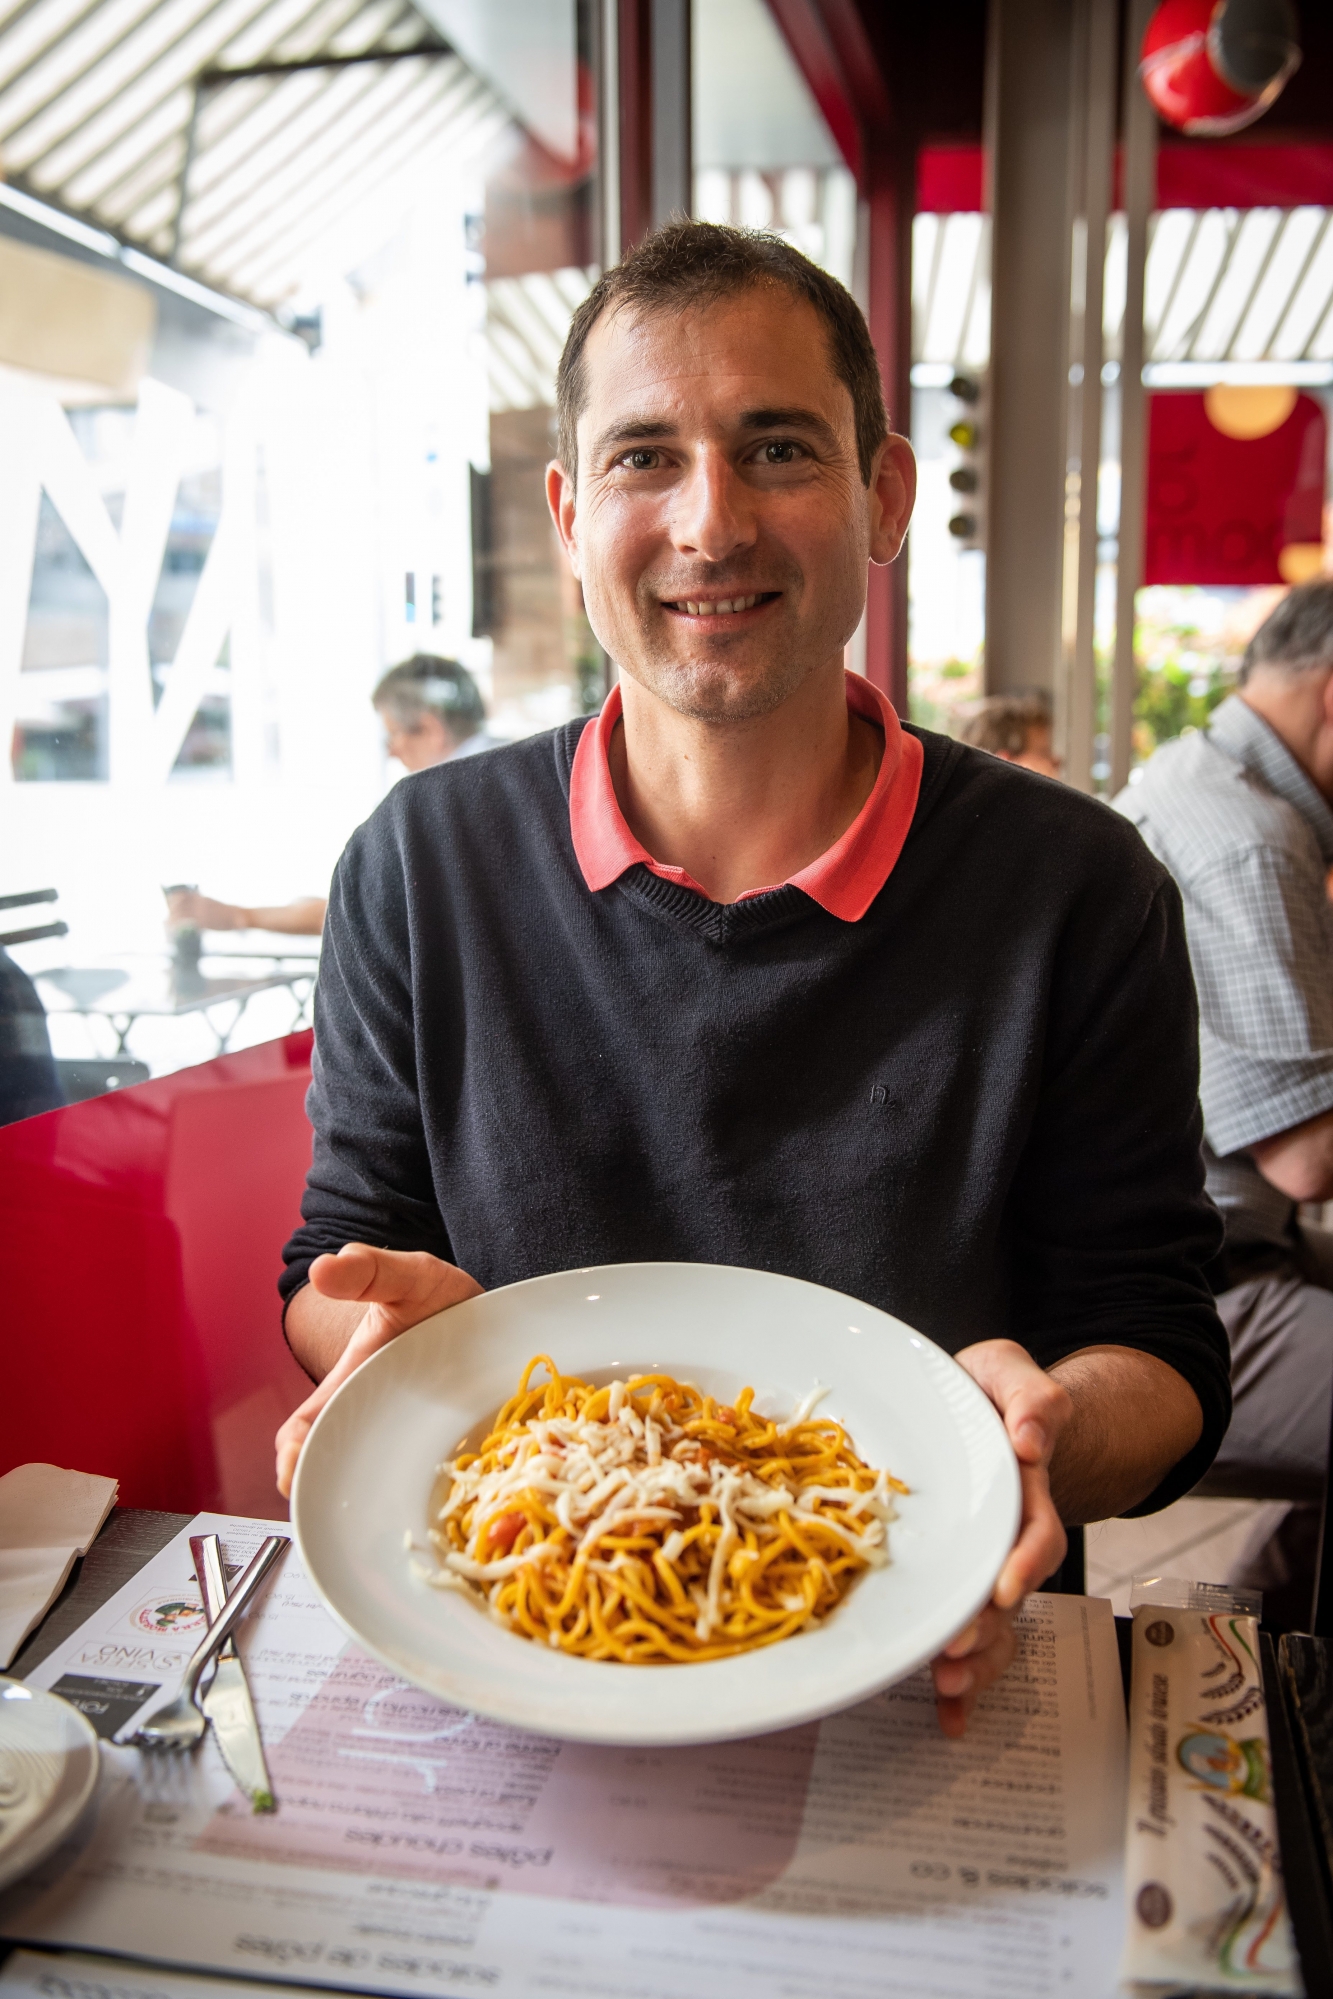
(180, 1725)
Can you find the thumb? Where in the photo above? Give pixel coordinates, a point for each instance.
(403, 1282)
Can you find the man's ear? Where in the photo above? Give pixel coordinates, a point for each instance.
(562, 500)
(892, 496)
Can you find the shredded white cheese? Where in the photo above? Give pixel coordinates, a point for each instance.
(633, 1471)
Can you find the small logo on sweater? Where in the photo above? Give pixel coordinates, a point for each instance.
(878, 1094)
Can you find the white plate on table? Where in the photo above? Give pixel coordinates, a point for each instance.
(366, 1474)
(48, 1771)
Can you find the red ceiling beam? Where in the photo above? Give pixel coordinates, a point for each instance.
(829, 43)
(809, 37)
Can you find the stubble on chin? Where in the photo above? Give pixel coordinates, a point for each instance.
(713, 693)
(737, 684)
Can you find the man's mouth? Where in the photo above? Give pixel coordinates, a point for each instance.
(718, 607)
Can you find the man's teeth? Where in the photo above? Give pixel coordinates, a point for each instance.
(724, 606)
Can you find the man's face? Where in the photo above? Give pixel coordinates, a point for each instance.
(720, 526)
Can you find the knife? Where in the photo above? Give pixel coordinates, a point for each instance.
(227, 1702)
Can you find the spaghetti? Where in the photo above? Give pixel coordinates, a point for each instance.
(643, 1521)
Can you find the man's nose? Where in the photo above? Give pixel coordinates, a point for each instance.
(713, 516)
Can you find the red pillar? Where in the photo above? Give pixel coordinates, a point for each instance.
(635, 106)
(891, 203)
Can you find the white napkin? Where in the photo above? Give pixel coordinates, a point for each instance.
(47, 1517)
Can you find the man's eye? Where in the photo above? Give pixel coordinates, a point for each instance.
(641, 461)
(781, 451)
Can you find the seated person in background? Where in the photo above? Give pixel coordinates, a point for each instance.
(744, 971)
(1240, 813)
(432, 710)
(1015, 727)
(29, 1082)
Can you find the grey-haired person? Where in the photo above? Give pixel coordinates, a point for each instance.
(1241, 812)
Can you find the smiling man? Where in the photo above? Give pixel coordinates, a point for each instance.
(744, 971)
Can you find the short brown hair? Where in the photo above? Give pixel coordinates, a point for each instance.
(686, 264)
(1003, 722)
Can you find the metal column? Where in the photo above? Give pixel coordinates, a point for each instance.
(1140, 173)
(673, 172)
(1030, 51)
(647, 170)
(1092, 93)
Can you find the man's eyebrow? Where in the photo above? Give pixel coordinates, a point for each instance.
(638, 430)
(631, 430)
(790, 418)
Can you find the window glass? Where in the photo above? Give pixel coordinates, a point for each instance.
(946, 548)
(763, 155)
(279, 406)
(1237, 301)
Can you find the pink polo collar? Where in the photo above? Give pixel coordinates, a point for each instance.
(844, 881)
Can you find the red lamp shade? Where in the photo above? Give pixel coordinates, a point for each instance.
(1212, 66)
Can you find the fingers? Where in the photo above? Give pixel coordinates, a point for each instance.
(960, 1679)
(289, 1441)
(1034, 1406)
(1041, 1544)
(400, 1288)
(977, 1635)
(291, 1437)
(374, 1332)
(1035, 1410)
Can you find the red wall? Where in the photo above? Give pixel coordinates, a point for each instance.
(1222, 509)
(1191, 173)
(144, 1234)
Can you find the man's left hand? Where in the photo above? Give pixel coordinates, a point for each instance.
(1035, 1409)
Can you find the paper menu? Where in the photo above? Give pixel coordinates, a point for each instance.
(33, 1974)
(419, 1849)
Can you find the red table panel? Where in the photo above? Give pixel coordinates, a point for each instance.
(145, 1232)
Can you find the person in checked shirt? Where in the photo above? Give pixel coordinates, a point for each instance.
(1242, 815)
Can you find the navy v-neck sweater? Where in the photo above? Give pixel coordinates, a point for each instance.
(976, 1107)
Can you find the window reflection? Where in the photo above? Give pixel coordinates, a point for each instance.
(278, 418)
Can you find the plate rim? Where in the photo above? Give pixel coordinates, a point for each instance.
(800, 1713)
(22, 1862)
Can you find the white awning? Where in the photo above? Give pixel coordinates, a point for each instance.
(1228, 288)
(129, 114)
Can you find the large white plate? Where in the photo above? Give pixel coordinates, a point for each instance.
(366, 1472)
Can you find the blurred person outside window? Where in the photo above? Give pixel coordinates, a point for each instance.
(432, 710)
(1015, 727)
(1242, 814)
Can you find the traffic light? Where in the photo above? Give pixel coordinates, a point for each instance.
(967, 432)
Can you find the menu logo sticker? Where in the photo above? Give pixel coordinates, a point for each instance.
(169, 1616)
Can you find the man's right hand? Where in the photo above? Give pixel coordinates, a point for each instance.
(398, 1289)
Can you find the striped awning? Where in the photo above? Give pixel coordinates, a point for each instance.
(1229, 289)
(231, 138)
(527, 319)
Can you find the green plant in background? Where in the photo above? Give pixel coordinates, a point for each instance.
(1185, 670)
(939, 689)
(1175, 698)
